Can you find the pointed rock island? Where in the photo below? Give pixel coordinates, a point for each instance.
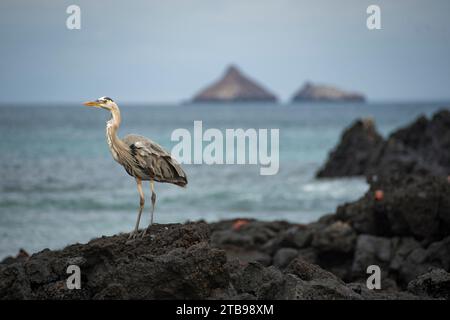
(324, 93)
(234, 86)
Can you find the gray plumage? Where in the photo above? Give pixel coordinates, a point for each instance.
(153, 162)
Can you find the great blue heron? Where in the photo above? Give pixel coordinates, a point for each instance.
(141, 157)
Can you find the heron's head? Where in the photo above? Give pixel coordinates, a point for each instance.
(103, 102)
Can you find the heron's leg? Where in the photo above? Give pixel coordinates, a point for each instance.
(141, 207)
(152, 187)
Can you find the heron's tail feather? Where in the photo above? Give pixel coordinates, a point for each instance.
(180, 175)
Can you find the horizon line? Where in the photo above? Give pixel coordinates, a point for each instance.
(189, 102)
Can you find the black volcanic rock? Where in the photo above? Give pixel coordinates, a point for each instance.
(325, 93)
(414, 206)
(176, 263)
(435, 283)
(21, 256)
(406, 233)
(234, 86)
(354, 152)
(420, 148)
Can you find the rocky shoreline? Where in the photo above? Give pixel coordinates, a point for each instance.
(401, 225)
(250, 259)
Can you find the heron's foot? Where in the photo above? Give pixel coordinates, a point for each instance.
(133, 235)
(147, 231)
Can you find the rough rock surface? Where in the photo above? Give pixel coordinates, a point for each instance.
(177, 263)
(412, 206)
(435, 284)
(353, 154)
(234, 86)
(406, 233)
(323, 93)
(420, 148)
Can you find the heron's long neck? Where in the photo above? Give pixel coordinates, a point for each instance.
(116, 145)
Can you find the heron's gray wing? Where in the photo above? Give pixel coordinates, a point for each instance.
(155, 161)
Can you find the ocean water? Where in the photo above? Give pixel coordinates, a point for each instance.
(60, 185)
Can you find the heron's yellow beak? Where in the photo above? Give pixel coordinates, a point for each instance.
(92, 104)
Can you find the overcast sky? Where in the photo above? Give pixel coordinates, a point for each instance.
(165, 51)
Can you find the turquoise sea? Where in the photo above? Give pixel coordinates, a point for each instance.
(60, 185)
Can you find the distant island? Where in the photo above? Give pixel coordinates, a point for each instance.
(234, 86)
(324, 93)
